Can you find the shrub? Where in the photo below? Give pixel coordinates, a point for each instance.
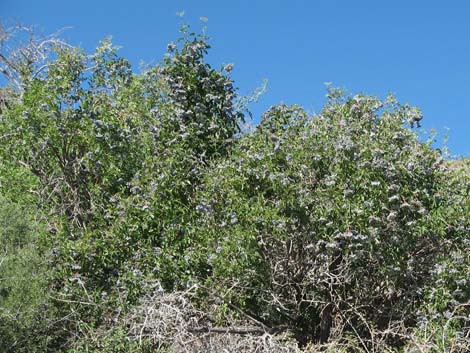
(24, 303)
(324, 218)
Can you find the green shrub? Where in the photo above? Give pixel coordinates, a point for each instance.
(23, 282)
(444, 324)
(314, 219)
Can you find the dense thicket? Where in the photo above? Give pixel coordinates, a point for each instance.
(136, 215)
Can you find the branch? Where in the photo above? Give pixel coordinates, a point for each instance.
(228, 330)
(240, 311)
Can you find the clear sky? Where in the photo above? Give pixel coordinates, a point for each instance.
(418, 50)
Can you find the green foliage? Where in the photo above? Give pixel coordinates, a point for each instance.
(23, 282)
(314, 216)
(444, 323)
(312, 224)
(113, 341)
(78, 138)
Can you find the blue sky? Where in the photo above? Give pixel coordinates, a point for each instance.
(418, 50)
